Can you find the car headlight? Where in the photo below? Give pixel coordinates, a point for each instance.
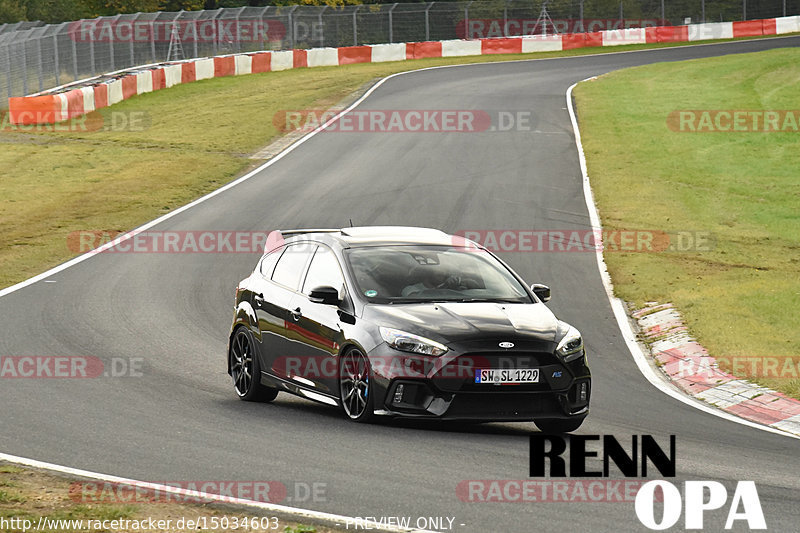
(570, 347)
(408, 342)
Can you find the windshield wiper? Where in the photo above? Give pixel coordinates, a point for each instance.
(490, 300)
(416, 301)
(454, 300)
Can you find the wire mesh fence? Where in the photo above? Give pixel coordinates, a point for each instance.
(35, 57)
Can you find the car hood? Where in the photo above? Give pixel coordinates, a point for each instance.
(466, 321)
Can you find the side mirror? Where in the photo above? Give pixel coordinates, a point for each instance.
(324, 295)
(541, 291)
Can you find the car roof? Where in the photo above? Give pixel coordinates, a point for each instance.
(377, 236)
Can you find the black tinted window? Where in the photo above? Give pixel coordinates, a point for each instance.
(428, 273)
(324, 271)
(291, 265)
(268, 263)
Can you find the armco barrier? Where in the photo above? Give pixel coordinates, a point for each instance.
(458, 48)
(541, 43)
(787, 25)
(423, 50)
(355, 54)
(501, 46)
(667, 34)
(323, 57)
(388, 52)
(624, 36)
(711, 30)
(281, 60)
(51, 108)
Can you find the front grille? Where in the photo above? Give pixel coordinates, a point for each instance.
(510, 405)
(459, 374)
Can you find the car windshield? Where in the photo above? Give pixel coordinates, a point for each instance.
(406, 274)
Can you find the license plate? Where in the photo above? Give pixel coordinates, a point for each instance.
(507, 376)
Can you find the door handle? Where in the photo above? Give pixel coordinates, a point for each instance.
(296, 314)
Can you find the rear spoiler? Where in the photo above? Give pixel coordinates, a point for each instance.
(289, 232)
(276, 238)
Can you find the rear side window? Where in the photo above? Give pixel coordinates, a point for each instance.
(292, 264)
(268, 263)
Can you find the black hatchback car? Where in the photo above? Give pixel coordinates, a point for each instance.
(404, 322)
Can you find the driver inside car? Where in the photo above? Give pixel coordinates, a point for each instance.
(428, 277)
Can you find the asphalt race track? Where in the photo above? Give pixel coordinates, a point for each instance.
(181, 420)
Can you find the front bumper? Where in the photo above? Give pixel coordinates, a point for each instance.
(418, 386)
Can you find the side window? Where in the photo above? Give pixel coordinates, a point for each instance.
(268, 263)
(291, 266)
(324, 270)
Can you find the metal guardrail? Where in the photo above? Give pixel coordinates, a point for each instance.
(35, 57)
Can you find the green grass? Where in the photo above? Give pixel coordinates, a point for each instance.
(10, 497)
(739, 299)
(95, 512)
(198, 138)
(742, 297)
(14, 512)
(39, 494)
(300, 529)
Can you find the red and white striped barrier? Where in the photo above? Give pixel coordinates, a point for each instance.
(53, 108)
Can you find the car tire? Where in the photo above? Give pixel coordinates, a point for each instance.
(356, 386)
(246, 369)
(558, 425)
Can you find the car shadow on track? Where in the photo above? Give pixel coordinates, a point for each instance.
(286, 408)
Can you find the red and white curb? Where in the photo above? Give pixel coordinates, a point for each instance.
(643, 361)
(691, 368)
(86, 96)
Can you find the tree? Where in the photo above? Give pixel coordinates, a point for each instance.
(186, 5)
(12, 11)
(98, 8)
(214, 4)
(53, 11)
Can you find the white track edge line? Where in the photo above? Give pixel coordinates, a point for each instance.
(272, 507)
(83, 473)
(618, 308)
(124, 237)
(621, 315)
(290, 148)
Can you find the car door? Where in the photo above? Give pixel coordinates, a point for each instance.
(318, 325)
(272, 297)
